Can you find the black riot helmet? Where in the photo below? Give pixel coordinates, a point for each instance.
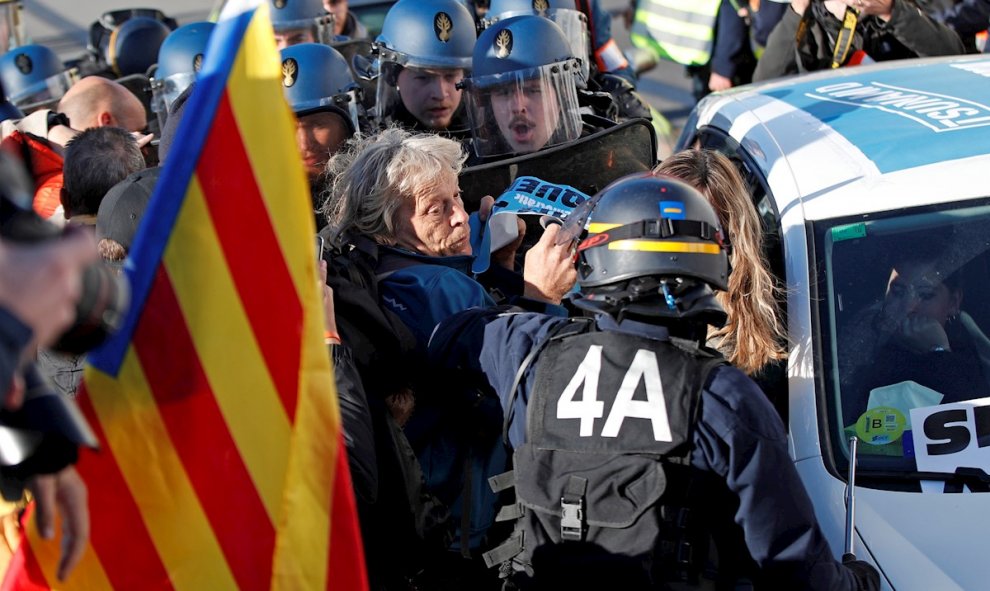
(653, 248)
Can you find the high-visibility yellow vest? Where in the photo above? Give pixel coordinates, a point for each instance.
(682, 31)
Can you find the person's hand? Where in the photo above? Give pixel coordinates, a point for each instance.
(400, 405)
(549, 272)
(878, 8)
(60, 135)
(65, 493)
(799, 6)
(923, 334)
(41, 284)
(717, 82)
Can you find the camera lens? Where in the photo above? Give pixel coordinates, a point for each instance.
(100, 311)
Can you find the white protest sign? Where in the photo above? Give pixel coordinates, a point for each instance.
(950, 436)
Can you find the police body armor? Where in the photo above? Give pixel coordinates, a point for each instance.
(602, 481)
(682, 31)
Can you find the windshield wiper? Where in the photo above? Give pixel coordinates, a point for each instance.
(975, 479)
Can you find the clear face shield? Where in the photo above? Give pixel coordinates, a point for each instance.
(575, 26)
(307, 30)
(430, 94)
(164, 92)
(11, 25)
(347, 104)
(45, 93)
(524, 111)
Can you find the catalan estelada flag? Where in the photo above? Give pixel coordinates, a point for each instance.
(222, 464)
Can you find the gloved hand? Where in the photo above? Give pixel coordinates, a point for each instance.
(867, 577)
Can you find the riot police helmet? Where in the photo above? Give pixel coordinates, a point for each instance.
(300, 21)
(179, 59)
(33, 77)
(653, 247)
(316, 78)
(134, 44)
(426, 47)
(565, 13)
(522, 91)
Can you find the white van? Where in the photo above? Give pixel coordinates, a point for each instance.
(873, 184)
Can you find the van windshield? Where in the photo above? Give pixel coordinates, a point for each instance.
(905, 314)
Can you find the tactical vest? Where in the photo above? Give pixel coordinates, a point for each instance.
(604, 469)
(682, 31)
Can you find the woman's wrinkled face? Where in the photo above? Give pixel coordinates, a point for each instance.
(433, 222)
(917, 289)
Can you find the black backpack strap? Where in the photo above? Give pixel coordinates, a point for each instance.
(571, 327)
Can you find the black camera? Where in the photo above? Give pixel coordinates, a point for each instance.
(105, 294)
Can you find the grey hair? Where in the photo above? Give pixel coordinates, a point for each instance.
(371, 177)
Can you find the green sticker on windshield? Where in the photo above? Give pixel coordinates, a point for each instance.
(849, 232)
(880, 425)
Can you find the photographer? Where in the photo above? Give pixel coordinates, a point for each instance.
(39, 288)
(884, 30)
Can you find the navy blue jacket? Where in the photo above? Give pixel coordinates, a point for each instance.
(14, 337)
(739, 437)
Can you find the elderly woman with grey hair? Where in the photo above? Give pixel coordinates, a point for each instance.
(395, 195)
(400, 190)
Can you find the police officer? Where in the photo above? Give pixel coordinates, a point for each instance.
(34, 78)
(179, 60)
(324, 97)
(424, 51)
(627, 432)
(300, 21)
(522, 92)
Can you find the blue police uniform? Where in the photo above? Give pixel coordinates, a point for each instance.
(738, 437)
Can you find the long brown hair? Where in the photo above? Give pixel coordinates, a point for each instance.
(754, 335)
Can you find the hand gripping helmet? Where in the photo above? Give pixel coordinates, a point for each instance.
(565, 13)
(33, 77)
(522, 92)
(179, 60)
(134, 44)
(654, 248)
(300, 21)
(428, 34)
(316, 78)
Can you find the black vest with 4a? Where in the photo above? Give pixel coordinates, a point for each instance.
(609, 433)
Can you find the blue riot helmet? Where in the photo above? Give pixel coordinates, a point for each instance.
(179, 60)
(300, 21)
(425, 45)
(522, 92)
(323, 95)
(33, 77)
(565, 13)
(316, 78)
(133, 45)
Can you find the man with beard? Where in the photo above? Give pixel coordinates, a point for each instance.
(523, 94)
(424, 51)
(321, 91)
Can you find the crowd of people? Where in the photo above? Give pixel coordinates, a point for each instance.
(587, 411)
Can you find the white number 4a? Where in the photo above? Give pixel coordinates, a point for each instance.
(644, 368)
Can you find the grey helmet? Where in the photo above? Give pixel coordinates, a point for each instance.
(300, 21)
(653, 245)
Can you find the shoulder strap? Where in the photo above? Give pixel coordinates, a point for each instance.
(572, 326)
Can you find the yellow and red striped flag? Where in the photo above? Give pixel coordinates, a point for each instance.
(222, 463)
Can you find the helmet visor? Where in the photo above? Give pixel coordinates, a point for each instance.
(45, 92)
(164, 92)
(306, 30)
(524, 111)
(575, 27)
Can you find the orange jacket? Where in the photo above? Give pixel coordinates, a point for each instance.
(45, 166)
